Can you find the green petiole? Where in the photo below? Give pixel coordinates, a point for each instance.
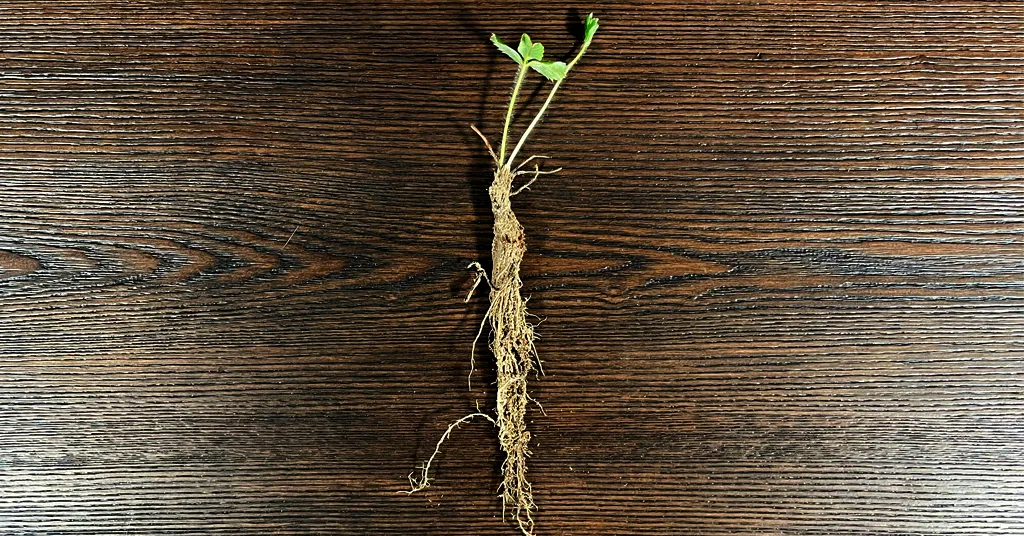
(520, 76)
(547, 102)
(529, 56)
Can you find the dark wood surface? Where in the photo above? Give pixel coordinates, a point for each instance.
(782, 273)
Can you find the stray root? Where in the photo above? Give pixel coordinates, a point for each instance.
(290, 237)
(472, 350)
(481, 275)
(524, 162)
(424, 480)
(536, 173)
(487, 143)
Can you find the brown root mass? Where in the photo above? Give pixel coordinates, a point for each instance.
(512, 343)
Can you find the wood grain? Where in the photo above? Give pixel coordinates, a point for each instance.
(782, 273)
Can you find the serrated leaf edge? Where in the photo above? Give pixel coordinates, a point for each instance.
(507, 50)
(542, 66)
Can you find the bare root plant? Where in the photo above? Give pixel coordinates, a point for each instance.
(512, 336)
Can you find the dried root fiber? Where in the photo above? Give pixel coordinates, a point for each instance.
(512, 343)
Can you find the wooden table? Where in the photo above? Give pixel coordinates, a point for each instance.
(781, 273)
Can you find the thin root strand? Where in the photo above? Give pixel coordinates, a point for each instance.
(536, 173)
(524, 162)
(424, 480)
(472, 350)
(481, 275)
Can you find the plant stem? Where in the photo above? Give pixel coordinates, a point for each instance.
(536, 119)
(544, 108)
(520, 75)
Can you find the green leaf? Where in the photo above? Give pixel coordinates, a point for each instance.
(506, 49)
(530, 50)
(552, 70)
(589, 29)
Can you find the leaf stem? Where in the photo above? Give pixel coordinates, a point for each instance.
(520, 75)
(543, 108)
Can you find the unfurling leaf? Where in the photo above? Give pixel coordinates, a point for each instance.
(530, 50)
(589, 29)
(506, 49)
(552, 70)
(525, 44)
